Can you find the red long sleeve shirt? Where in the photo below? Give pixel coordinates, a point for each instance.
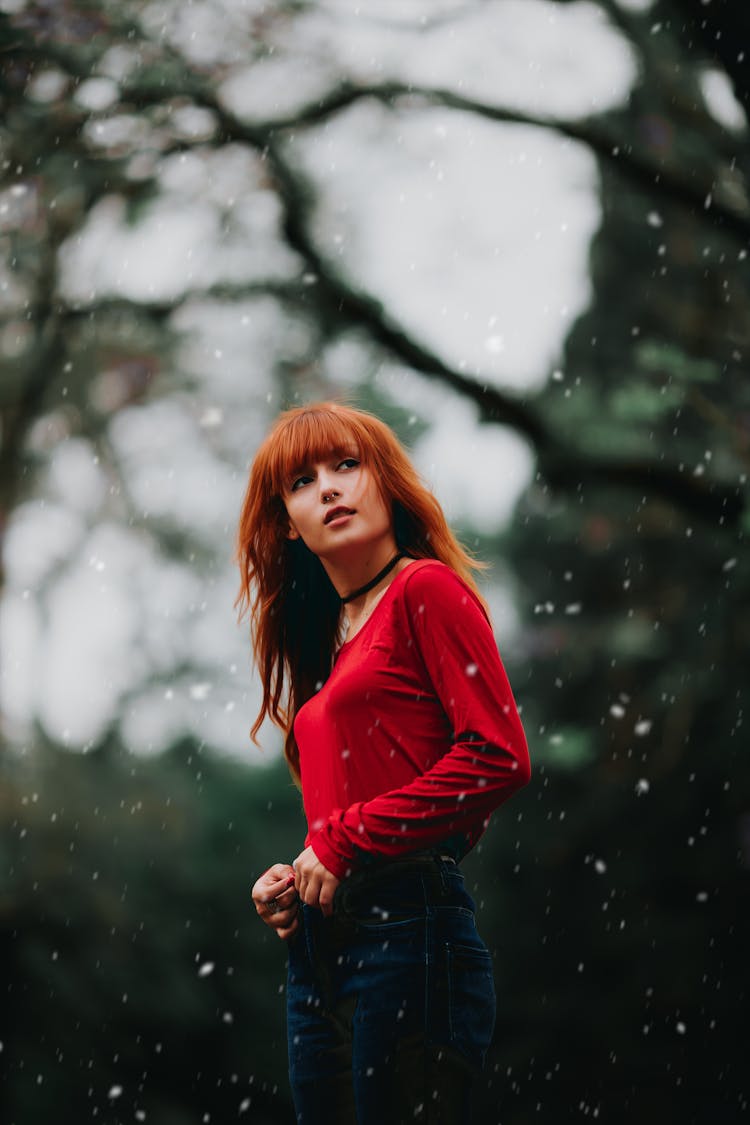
(414, 738)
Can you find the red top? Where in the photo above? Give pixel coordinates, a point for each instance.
(414, 738)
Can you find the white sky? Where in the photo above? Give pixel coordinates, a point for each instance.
(474, 235)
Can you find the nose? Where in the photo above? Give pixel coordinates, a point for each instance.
(328, 490)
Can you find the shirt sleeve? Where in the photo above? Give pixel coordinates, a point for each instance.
(487, 759)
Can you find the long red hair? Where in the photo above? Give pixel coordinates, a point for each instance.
(294, 609)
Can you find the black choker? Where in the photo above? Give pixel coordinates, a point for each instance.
(378, 578)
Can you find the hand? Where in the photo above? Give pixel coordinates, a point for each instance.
(315, 883)
(276, 900)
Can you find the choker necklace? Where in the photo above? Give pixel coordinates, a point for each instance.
(378, 577)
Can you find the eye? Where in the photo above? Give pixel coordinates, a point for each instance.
(348, 463)
(299, 481)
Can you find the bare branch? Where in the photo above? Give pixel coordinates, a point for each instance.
(341, 301)
(713, 501)
(641, 170)
(162, 309)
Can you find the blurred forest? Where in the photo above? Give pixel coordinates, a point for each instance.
(613, 891)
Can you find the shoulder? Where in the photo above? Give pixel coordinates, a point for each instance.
(431, 582)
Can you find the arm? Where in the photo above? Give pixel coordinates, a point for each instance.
(487, 759)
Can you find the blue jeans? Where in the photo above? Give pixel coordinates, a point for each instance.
(390, 1002)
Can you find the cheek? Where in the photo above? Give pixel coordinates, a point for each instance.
(381, 507)
(366, 494)
(292, 520)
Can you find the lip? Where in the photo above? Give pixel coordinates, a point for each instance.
(337, 513)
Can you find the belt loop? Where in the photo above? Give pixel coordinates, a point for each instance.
(447, 866)
(443, 873)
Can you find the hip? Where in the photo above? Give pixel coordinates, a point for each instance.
(402, 949)
(408, 908)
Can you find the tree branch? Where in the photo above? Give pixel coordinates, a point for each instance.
(647, 174)
(342, 301)
(159, 310)
(563, 467)
(713, 501)
(634, 166)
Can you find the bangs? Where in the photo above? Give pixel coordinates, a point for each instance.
(313, 435)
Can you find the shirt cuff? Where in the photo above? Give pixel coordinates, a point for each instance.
(339, 861)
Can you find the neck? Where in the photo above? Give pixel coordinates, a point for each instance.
(375, 580)
(349, 577)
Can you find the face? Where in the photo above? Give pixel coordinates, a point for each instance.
(334, 505)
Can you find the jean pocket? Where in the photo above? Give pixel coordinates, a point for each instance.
(384, 907)
(471, 999)
(393, 925)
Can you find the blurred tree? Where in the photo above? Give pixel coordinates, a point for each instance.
(139, 984)
(635, 840)
(624, 868)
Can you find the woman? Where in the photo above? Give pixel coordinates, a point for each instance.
(378, 661)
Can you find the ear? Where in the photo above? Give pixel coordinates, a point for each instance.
(292, 532)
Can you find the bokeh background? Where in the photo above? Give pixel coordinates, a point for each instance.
(517, 230)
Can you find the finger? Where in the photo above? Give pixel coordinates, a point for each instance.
(289, 886)
(302, 867)
(303, 890)
(278, 871)
(284, 868)
(301, 883)
(273, 894)
(279, 906)
(265, 891)
(287, 917)
(328, 896)
(286, 899)
(290, 931)
(269, 902)
(312, 891)
(286, 879)
(278, 919)
(325, 902)
(282, 920)
(266, 910)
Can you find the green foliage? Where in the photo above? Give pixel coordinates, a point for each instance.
(128, 923)
(637, 402)
(569, 748)
(664, 358)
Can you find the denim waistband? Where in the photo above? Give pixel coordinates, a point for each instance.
(417, 877)
(369, 860)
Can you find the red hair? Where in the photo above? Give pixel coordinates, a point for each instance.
(294, 608)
